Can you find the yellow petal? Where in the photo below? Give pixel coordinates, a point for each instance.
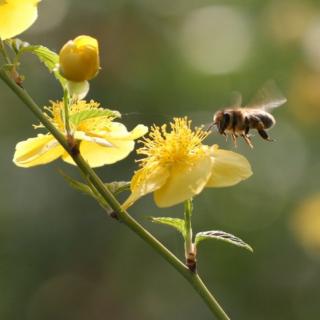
(139, 131)
(144, 182)
(119, 131)
(36, 151)
(110, 148)
(97, 155)
(16, 16)
(229, 168)
(80, 135)
(184, 183)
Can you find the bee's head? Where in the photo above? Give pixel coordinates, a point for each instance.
(221, 120)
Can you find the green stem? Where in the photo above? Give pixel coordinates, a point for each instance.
(66, 104)
(121, 214)
(189, 247)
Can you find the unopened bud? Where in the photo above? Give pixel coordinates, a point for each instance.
(79, 59)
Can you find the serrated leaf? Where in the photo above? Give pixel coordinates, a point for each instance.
(48, 57)
(175, 223)
(223, 236)
(51, 60)
(92, 113)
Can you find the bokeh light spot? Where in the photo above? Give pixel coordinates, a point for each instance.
(216, 39)
(305, 96)
(286, 21)
(311, 45)
(306, 224)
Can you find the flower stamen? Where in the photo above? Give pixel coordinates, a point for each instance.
(181, 145)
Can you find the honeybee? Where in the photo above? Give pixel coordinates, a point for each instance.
(237, 121)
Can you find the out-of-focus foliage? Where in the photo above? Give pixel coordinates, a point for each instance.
(62, 258)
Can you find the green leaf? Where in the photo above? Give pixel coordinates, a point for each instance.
(223, 236)
(176, 223)
(48, 57)
(51, 60)
(93, 113)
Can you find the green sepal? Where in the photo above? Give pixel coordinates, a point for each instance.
(223, 236)
(77, 185)
(78, 90)
(76, 118)
(175, 223)
(117, 187)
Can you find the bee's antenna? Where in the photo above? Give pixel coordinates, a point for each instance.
(212, 125)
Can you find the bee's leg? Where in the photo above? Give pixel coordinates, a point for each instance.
(264, 135)
(234, 139)
(261, 130)
(247, 140)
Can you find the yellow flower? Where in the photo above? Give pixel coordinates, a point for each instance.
(177, 166)
(79, 59)
(16, 16)
(102, 141)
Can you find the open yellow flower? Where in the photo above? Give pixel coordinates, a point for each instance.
(102, 140)
(16, 16)
(177, 166)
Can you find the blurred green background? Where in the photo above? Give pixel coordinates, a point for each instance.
(62, 258)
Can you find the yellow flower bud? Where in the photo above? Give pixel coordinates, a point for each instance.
(79, 59)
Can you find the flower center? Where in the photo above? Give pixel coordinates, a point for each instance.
(181, 145)
(83, 116)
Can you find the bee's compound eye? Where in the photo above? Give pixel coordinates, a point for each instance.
(224, 122)
(216, 116)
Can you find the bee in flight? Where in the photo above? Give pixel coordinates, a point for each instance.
(237, 121)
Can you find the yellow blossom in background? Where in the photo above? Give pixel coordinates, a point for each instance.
(177, 166)
(16, 16)
(102, 140)
(79, 59)
(305, 224)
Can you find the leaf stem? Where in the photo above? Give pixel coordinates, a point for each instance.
(189, 247)
(121, 214)
(4, 52)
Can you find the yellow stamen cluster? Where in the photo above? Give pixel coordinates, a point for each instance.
(95, 123)
(181, 145)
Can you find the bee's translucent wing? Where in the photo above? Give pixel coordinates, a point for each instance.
(235, 100)
(268, 97)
